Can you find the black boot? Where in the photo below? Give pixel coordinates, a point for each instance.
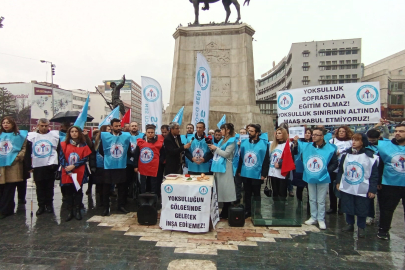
(106, 212)
(40, 210)
(49, 209)
(78, 214)
(70, 215)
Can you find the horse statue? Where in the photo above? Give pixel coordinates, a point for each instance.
(227, 6)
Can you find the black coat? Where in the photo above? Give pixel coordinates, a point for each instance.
(173, 154)
(352, 204)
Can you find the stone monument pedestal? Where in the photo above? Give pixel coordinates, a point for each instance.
(229, 51)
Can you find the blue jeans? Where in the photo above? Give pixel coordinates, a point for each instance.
(317, 198)
(361, 221)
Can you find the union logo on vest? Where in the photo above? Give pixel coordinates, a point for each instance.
(250, 159)
(146, 155)
(116, 150)
(354, 173)
(285, 101)
(73, 158)
(133, 146)
(203, 78)
(315, 164)
(198, 153)
(5, 147)
(42, 148)
(275, 157)
(216, 157)
(398, 163)
(151, 93)
(367, 94)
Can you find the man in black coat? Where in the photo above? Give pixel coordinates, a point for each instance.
(174, 149)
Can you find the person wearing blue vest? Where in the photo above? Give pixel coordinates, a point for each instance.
(356, 180)
(217, 137)
(12, 152)
(320, 160)
(132, 177)
(253, 167)
(199, 154)
(222, 167)
(115, 148)
(392, 187)
(238, 178)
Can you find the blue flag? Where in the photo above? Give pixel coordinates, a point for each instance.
(179, 116)
(114, 114)
(82, 118)
(222, 121)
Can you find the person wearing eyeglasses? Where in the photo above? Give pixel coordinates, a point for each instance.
(392, 187)
(320, 160)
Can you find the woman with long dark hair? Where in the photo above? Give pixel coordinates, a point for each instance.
(343, 141)
(222, 166)
(12, 151)
(73, 156)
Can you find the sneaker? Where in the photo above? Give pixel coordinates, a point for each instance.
(311, 221)
(383, 235)
(369, 220)
(322, 225)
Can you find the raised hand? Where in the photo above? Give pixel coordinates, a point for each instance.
(247, 1)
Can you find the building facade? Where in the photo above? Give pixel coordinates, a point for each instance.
(313, 63)
(390, 72)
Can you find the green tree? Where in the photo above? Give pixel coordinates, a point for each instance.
(7, 103)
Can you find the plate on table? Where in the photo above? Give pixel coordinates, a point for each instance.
(172, 176)
(189, 179)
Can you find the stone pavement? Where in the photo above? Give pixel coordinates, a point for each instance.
(118, 242)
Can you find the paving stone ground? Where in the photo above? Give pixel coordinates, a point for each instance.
(118, 242)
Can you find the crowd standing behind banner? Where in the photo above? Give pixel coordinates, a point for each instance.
(355, 168)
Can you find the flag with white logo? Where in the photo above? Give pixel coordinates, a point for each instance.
(151, 103)
(114, 114)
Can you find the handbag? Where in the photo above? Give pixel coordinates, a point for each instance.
(268, 191)
(58, 174)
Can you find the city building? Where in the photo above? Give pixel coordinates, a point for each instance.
(390, 72)
(313, 63)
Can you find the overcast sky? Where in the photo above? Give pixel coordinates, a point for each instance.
(91, 41)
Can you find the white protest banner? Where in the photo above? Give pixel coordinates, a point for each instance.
(214, 206)
(243, 137)
(296, 131)
(151, 103)
(185, 207)
(202, 90)
(334, 104)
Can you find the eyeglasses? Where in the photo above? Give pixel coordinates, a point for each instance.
(316, 135)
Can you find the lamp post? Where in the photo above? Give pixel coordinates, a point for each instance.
(52, 73)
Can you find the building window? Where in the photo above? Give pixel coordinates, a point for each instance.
(328, 77)
(334, 76)
(400, 72)
(341, 76)
(347, 76)
(396, 99)
(322, 77)
(77, 106)
(354, 61)
(305, 82)
(305, 64)
(341, 67)
(347, 51)
(305, 68)
(354, 76)
(354, 66)
(348, 61)
(354, 51)
(322, 54)
(305, 54)
(342, 62)
(334, 52)
(341, 81)
(334, 67)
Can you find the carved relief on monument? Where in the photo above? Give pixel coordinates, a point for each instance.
(215, 55)
(221, 87)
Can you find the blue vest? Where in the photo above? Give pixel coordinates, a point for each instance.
(316, 162)
(299, 165)
(198, 149)
(133, 145)
(99, 158)
(393, 157)
(115, 150)
(219, 162)
(235, 161)
(10, 146)
(252, 158)
(375, 147)
(62, 136)
(264, 136)
(327, 137)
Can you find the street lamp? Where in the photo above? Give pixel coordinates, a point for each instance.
(52, 74)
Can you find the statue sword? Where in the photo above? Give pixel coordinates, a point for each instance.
(108, 103)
